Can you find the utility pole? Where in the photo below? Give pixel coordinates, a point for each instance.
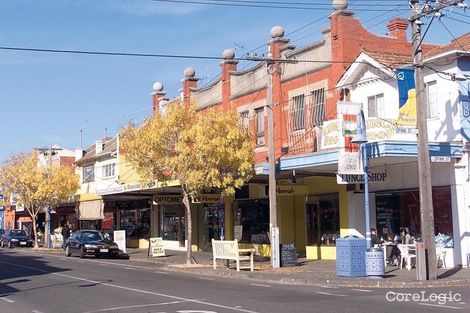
(273, 227)
(424, 164)
(49, 151)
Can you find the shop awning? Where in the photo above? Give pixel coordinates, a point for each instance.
(91, 210)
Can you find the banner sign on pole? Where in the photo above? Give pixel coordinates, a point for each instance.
(407, 97)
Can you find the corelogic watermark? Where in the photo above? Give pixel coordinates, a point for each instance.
(440, 298)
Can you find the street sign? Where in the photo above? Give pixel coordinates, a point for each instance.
(440, 159)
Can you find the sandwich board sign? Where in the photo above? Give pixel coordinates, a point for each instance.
(156, 247)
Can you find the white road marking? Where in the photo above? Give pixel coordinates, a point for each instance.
(329, 287)
(128, 268)
(442, 306)
(7, 300)
(36, 311)
(163, 273)
(362, 290)
(136, 306)
(131, 289)
(205, 278)
(330, 294)
(261, 285)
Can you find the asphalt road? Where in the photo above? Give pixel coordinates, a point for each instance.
(41, 283)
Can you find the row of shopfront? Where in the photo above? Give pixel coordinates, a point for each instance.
(312, 212)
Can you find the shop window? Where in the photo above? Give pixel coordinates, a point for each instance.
(251, 220)
(323, 220)
(136, 223)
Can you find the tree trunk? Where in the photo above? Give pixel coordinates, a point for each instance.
(35, 232)
(188, 225)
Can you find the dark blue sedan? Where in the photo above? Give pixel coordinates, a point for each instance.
(16, 238)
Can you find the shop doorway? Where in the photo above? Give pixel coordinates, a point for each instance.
(322, 219)
(213, 224)
(172, 227)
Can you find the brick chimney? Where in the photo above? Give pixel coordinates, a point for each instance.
(397, 28)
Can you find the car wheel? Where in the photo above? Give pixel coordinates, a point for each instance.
(82, 253)
(10, 245)
(1, 244)
(67, 251)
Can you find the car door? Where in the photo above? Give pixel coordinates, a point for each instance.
(74, 242)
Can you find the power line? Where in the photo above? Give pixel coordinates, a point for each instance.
(267, 6)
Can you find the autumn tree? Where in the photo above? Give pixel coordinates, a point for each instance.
(201, 150)
(37, 187)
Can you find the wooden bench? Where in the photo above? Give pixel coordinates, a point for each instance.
(228, 250)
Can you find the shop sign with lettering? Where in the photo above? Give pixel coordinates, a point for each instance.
(167, 199)
(207, 198)
(291, 190)
(359, 179)
(156, 247)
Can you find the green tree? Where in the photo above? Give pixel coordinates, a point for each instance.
(37, 187)
(201, 150)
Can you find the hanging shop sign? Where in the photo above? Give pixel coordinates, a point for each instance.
(156, 247)
(126, 187)
(329, 135)
(343, 179)
(207, 198)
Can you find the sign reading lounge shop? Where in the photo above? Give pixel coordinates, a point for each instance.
(380, 177)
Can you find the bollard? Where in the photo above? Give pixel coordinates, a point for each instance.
(421, 268)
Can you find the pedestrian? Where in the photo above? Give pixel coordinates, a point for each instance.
(65, 232)
(405, 237)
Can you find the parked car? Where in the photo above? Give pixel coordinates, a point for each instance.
(90, 242)
(16, 238)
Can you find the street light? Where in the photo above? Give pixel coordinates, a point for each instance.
(361, 139)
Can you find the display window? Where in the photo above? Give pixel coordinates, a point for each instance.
(401, 209)
(251, 220)
(136, 223)
(322, 219)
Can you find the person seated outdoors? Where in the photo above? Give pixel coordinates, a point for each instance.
(392, 239)
(374, 239)
(405, 237)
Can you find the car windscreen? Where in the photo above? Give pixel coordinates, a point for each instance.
(91, 236)
(18, 232)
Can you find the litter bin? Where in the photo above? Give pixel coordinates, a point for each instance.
(375, 263)
(350, 256)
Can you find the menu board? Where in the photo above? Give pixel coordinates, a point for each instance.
(288, 255)
(388, 216)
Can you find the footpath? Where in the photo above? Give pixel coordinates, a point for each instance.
(306, 273)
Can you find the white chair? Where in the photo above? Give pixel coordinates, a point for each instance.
(406, 255)
(441, 255)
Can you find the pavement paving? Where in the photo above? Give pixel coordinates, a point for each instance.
(307, 272)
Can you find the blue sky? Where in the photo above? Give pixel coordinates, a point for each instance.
(47, 98)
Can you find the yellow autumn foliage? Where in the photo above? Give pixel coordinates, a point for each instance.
(37, 187)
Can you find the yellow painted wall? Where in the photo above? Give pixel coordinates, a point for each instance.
(321, 252)
(89, 197)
